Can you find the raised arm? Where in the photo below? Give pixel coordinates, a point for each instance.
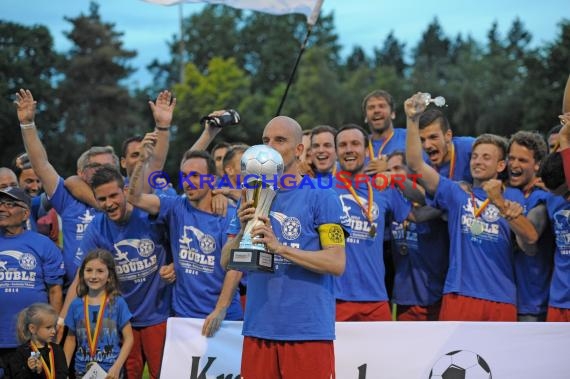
(414, 107)
(147, 202)
(26, 108)
(162, 111)
(208, 134)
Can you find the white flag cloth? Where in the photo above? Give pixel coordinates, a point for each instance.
(309, 8)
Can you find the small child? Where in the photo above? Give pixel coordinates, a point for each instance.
(38, 356)
(98, 318)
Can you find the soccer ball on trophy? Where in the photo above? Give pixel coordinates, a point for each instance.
(261, 160)
(460, 364)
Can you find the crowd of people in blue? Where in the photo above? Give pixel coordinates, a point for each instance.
(92, 266)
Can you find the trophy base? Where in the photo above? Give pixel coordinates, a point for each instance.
(251, 260)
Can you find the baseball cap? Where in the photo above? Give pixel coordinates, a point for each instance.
(17, 194)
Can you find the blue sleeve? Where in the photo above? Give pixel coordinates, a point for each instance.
(167, 204)
(61, 199)
(328, 209)
(230, 216)
(52, 264)
(399, 206)
(70, 318)
(123, 313)
(234, 225)
(447, 195)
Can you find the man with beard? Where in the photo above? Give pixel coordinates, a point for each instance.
(480, 224)
(379, 112)
(449, 155)
(533, 266)
(361, 293)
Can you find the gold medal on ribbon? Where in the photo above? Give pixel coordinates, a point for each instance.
(477, 227)
(403, 249)
(372, 231)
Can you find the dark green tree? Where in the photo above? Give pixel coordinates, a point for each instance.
(391, 54)
(96, 108)
(27, 60)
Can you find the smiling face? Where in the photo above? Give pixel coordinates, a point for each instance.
(323, 152)
(436, 143)
(112, 200)
(351, 150)
(486, 162)
(193, 170)
(13, 213)
(96, 275)
(379, 115)
(522, 166)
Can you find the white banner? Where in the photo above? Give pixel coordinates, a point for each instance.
(309, 8)
(390, 350)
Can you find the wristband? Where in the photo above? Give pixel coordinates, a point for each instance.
(161, 128)
(31, 125)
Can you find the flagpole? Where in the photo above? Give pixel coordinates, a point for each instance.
(292, 75)
(311, 21)
(181, 46)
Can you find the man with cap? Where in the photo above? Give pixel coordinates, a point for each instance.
(31, 266)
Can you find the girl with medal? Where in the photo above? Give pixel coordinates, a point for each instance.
(39, 356)
(98, 319)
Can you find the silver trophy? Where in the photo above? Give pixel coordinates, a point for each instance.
(438, 101)
(261, 168)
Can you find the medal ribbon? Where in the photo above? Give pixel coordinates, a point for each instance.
(477, 211)
(452, 162)
(92, 338)
(49, 371)
(371, 150)
(370, 201)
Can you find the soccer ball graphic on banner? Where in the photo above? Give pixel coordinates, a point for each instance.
(461, 364)
(262, 160)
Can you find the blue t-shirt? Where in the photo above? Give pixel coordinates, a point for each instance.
(29, 263)
(396, 143)
(480, 266)
(196, 241)
(533, 272)
(559, 213)
(115, 317)
(138, 247)
(420, 253)
(363, 277)
(462, 170)
(75, 217)
(294, 303)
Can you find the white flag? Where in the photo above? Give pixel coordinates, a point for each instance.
(310, 8)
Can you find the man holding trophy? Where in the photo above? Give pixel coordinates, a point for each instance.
(290, 312)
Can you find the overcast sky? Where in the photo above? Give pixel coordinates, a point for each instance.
(147, 27)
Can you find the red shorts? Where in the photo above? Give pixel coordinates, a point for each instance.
(363, 311)
(263, 359)
(147, 348)
(456, 307)
(418, 312)
(558, 314)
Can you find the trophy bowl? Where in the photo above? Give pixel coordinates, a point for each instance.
(260, 166)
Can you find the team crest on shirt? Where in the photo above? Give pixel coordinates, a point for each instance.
(144, 247)
(207, 242)
(27, 261)
(490, 213)
(290, 226)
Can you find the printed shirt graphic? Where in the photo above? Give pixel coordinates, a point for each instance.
(75, 217)
(196, 241)
(421, 255)
(29, 262)
(114, 320)
(294, 303)
(480, 266)
(559, 213)
(363, 278)
(138, 247)
(532, 273)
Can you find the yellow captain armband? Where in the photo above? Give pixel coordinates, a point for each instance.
(331, 235)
